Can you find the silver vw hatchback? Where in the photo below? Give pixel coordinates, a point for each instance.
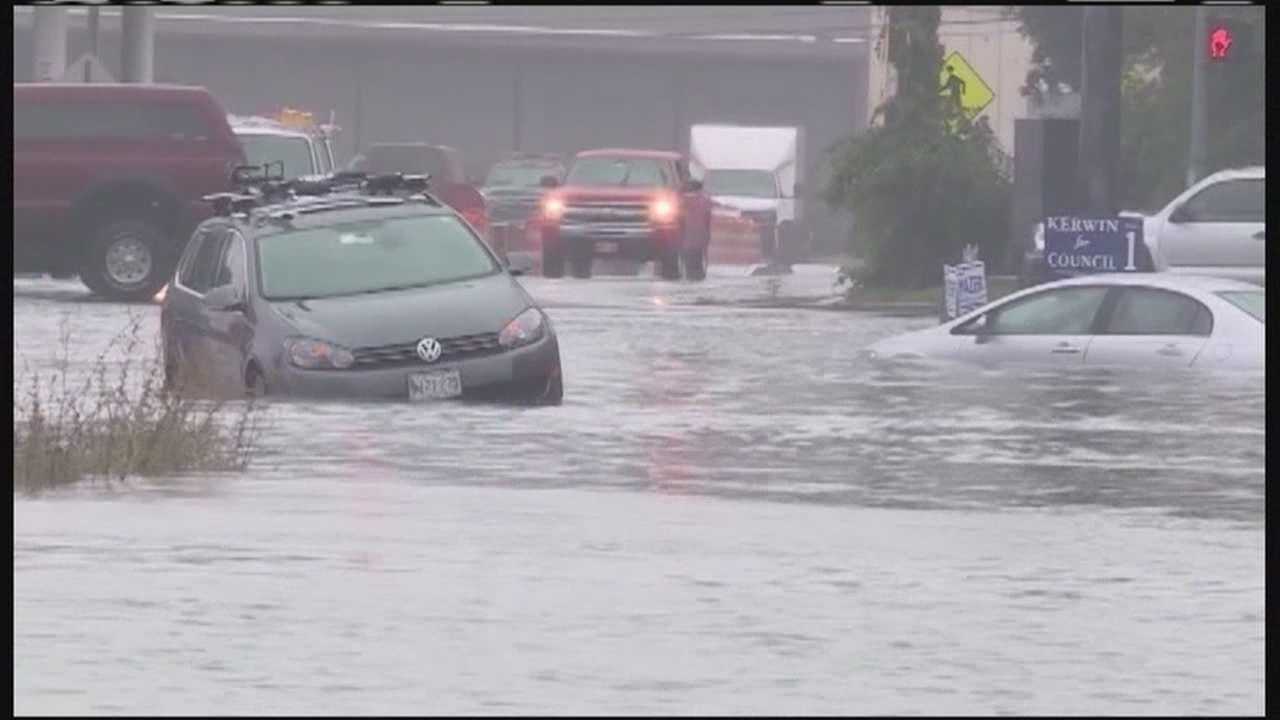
(357, 296)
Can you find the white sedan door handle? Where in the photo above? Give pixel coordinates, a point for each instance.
(1261, 235)
(1170, 351)
(1065, 349)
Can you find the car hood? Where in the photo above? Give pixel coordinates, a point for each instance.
(484, 305)
(749, 204)
(511, 194)
(587, 192)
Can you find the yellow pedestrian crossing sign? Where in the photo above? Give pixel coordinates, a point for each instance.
(961, 84)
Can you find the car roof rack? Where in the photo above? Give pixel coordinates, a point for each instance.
(262, 187)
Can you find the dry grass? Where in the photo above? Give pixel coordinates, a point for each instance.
(118, 421)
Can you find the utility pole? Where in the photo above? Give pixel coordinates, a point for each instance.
(1196, 155)
(50, 43)
(1103, 64)
(94, 20)
(138, 25)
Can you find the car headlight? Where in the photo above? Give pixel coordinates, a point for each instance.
(528, 327)
(663, 210)
(312, 354)
(553, 208)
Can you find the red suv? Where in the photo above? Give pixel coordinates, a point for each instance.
(443, 163)
(637, 204)
(108, 180)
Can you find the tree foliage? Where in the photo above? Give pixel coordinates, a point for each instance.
(922, 181)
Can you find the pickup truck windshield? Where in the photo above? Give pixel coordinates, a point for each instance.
(294, 152)
(618, 172)
(369, 256)
(742, 183)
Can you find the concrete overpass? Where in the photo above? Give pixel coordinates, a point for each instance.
(491, 79)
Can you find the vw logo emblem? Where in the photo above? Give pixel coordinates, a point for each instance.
(429, 349)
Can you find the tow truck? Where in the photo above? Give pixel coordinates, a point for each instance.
(291, 137)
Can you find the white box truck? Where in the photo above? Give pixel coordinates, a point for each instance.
(754, 170)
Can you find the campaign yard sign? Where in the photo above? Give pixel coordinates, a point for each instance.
(965, 287)
(1081, 245)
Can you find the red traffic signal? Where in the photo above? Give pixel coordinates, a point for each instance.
(1220, 41)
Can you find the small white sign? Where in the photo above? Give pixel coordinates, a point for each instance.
(87, 69)
(965, 287)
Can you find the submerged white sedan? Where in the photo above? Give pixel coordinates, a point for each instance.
(1121, 319)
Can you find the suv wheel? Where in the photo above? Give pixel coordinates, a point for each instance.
(695, 264)
(552, 260)
(669, 263)
(581, 254)
(124, 260)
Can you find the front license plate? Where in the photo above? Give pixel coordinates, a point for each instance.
(424, 387)
(606, 248)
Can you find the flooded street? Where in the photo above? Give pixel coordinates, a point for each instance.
(731, 513)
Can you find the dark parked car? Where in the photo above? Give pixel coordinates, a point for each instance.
(354, 294)
(108, 180)
(513, 187)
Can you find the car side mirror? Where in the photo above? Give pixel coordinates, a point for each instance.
(982, 331)
(549, 181)
(693, 186)
(224, 298)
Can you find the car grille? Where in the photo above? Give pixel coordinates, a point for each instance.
(761, 217)
(516, 211)
(454, 348)
(606, 212)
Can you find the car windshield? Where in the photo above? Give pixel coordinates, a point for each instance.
(294, 152)
(617, 172)
(369, 256)
(519, 176)
(1253, 302)
(742, 183)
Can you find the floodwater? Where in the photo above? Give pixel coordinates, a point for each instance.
(731, 513)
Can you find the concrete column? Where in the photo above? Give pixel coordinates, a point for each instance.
(94, 26)
(137, 43)
(50, 43)
(517, 110)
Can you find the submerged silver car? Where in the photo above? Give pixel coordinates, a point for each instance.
(358, 296)
(1142, 320)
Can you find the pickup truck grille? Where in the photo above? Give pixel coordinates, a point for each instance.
(454, 348)
(606, 212)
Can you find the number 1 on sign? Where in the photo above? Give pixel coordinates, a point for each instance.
(1132, 241)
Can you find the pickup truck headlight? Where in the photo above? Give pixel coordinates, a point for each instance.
(528, 328)
(664, 210)
(312, 354)
(552, 208)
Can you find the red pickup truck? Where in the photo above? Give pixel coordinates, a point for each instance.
(636, 204)
(107, 180)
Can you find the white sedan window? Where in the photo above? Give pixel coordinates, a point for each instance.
(1064, 311)
(1148, 311)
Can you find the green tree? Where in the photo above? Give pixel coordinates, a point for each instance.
(922, 181)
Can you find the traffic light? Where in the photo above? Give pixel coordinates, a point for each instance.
(1229, 40)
